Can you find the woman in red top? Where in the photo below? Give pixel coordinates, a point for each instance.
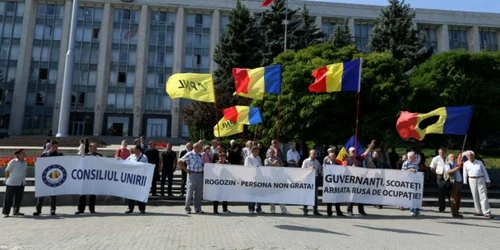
(123, 152)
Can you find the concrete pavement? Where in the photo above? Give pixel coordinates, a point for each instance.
(170, 228)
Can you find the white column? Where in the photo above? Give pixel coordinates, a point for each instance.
(319, 22)
(178, 67)
(473, 39)
(23, 68)
(62, 60)
(352, 26)
(214, 37)
(443, 38)
(141, 70)
(101, 93)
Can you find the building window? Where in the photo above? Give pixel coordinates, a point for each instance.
(330, 26)
(488, 39)
(362, 35)
(95, 33)
(458, 38)
(43, 74)
(224, 21)
(122, 77)
(430, 37)
(197, 46)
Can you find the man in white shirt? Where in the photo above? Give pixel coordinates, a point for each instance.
(437, 166)
(253, 160)
(137, 156)
(476, 175)
(246, 151)
(313, 164)
(452, 172)
(15, 180)
(293, 156)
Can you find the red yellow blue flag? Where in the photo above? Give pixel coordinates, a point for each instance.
(243, 115)
(337, 77)
(253, 83)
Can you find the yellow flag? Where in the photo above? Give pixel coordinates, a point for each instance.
(198, 87)
(342, 155)
(227, 128)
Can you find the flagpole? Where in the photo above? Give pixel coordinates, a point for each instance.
(217, 121)
(357, 113)
(257, 126)
(284, 50)
(463, 145)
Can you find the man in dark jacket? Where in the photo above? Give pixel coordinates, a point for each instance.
(51, 153)
(169, 161)
(92, 198)
(153, 158)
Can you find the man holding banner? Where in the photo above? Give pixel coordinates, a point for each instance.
(83, 198)
(313, 164)
(357, 161)
(331, 160)
(412, 166)
(137, 156)
(254, 160)
(274, 161)
(53, 200)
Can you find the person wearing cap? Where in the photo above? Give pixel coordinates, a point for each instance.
(137, 156)
(221, 160)
(54, 146)
(479, 181)
(15, 180)
(192, 164)
(254, 160)
(330, 150)
(357, 161)
(313, 164)
(83, 198)
(153, 156)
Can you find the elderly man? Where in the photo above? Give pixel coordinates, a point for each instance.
(254, 160)
(15, 180)
(275, 144)
(154, 158)
(412, 166)
(83, 198)
(437, 166)
(234, 154)
(313, 164)
(476, 175)
(357, 161)
(292, 156)
(192, 164)
(247, 150)
(137, 156)
(452, 172)
(330, 150)
(189, 148)
(213, 148)
(332, 160)
(54, 146)
(169, 162)
(274, 161)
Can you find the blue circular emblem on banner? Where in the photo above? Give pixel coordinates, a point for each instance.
(54, 175)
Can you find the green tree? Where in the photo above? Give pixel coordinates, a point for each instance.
(273, 30)
(459, 78)
(395, 32)
(342, 36)
(308, 33)
(240, 48)
(331, 116)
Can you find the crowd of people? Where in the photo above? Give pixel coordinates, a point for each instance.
(450, 173)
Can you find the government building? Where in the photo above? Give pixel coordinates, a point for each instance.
(126, 50)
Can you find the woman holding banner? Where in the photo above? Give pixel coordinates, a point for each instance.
(222, 160)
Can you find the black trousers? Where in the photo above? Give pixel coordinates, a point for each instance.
(337, 209)
(183, 182)
(361, 208)
(53, 202)
(141, 205)
(443, 193)
(83, 203)
(12, 194)
(167, 173)
(216, 206)
(156, 176)
(315, 207)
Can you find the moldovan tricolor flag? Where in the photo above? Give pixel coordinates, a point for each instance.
(198, 87)
(243, 115)
(451, 120)
(253, 83)
(266, 3)
(337, 77)
(227, 128)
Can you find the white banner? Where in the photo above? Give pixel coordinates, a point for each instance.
(79, 175)
(278, 185)
(372, 186)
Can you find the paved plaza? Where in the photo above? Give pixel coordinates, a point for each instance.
(167, 227)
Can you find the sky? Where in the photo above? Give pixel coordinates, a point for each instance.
(492, 6)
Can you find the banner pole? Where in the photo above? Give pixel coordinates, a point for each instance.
(257, 126)
(356, 127)
(279, 119)
(217, 121)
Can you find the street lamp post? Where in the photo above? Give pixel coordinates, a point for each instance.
(64, 110)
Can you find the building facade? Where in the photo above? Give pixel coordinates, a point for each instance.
(126, 50)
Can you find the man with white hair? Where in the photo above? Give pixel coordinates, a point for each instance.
(438, 166)
(452, 173)
(476, 175)
(313, 164)
(412, 166)
(253, 160)
(192, 164)
(293, 156)
(330, 151)
(247, 150)
(274, 161)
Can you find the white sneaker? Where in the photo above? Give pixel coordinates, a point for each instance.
(413, 214)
